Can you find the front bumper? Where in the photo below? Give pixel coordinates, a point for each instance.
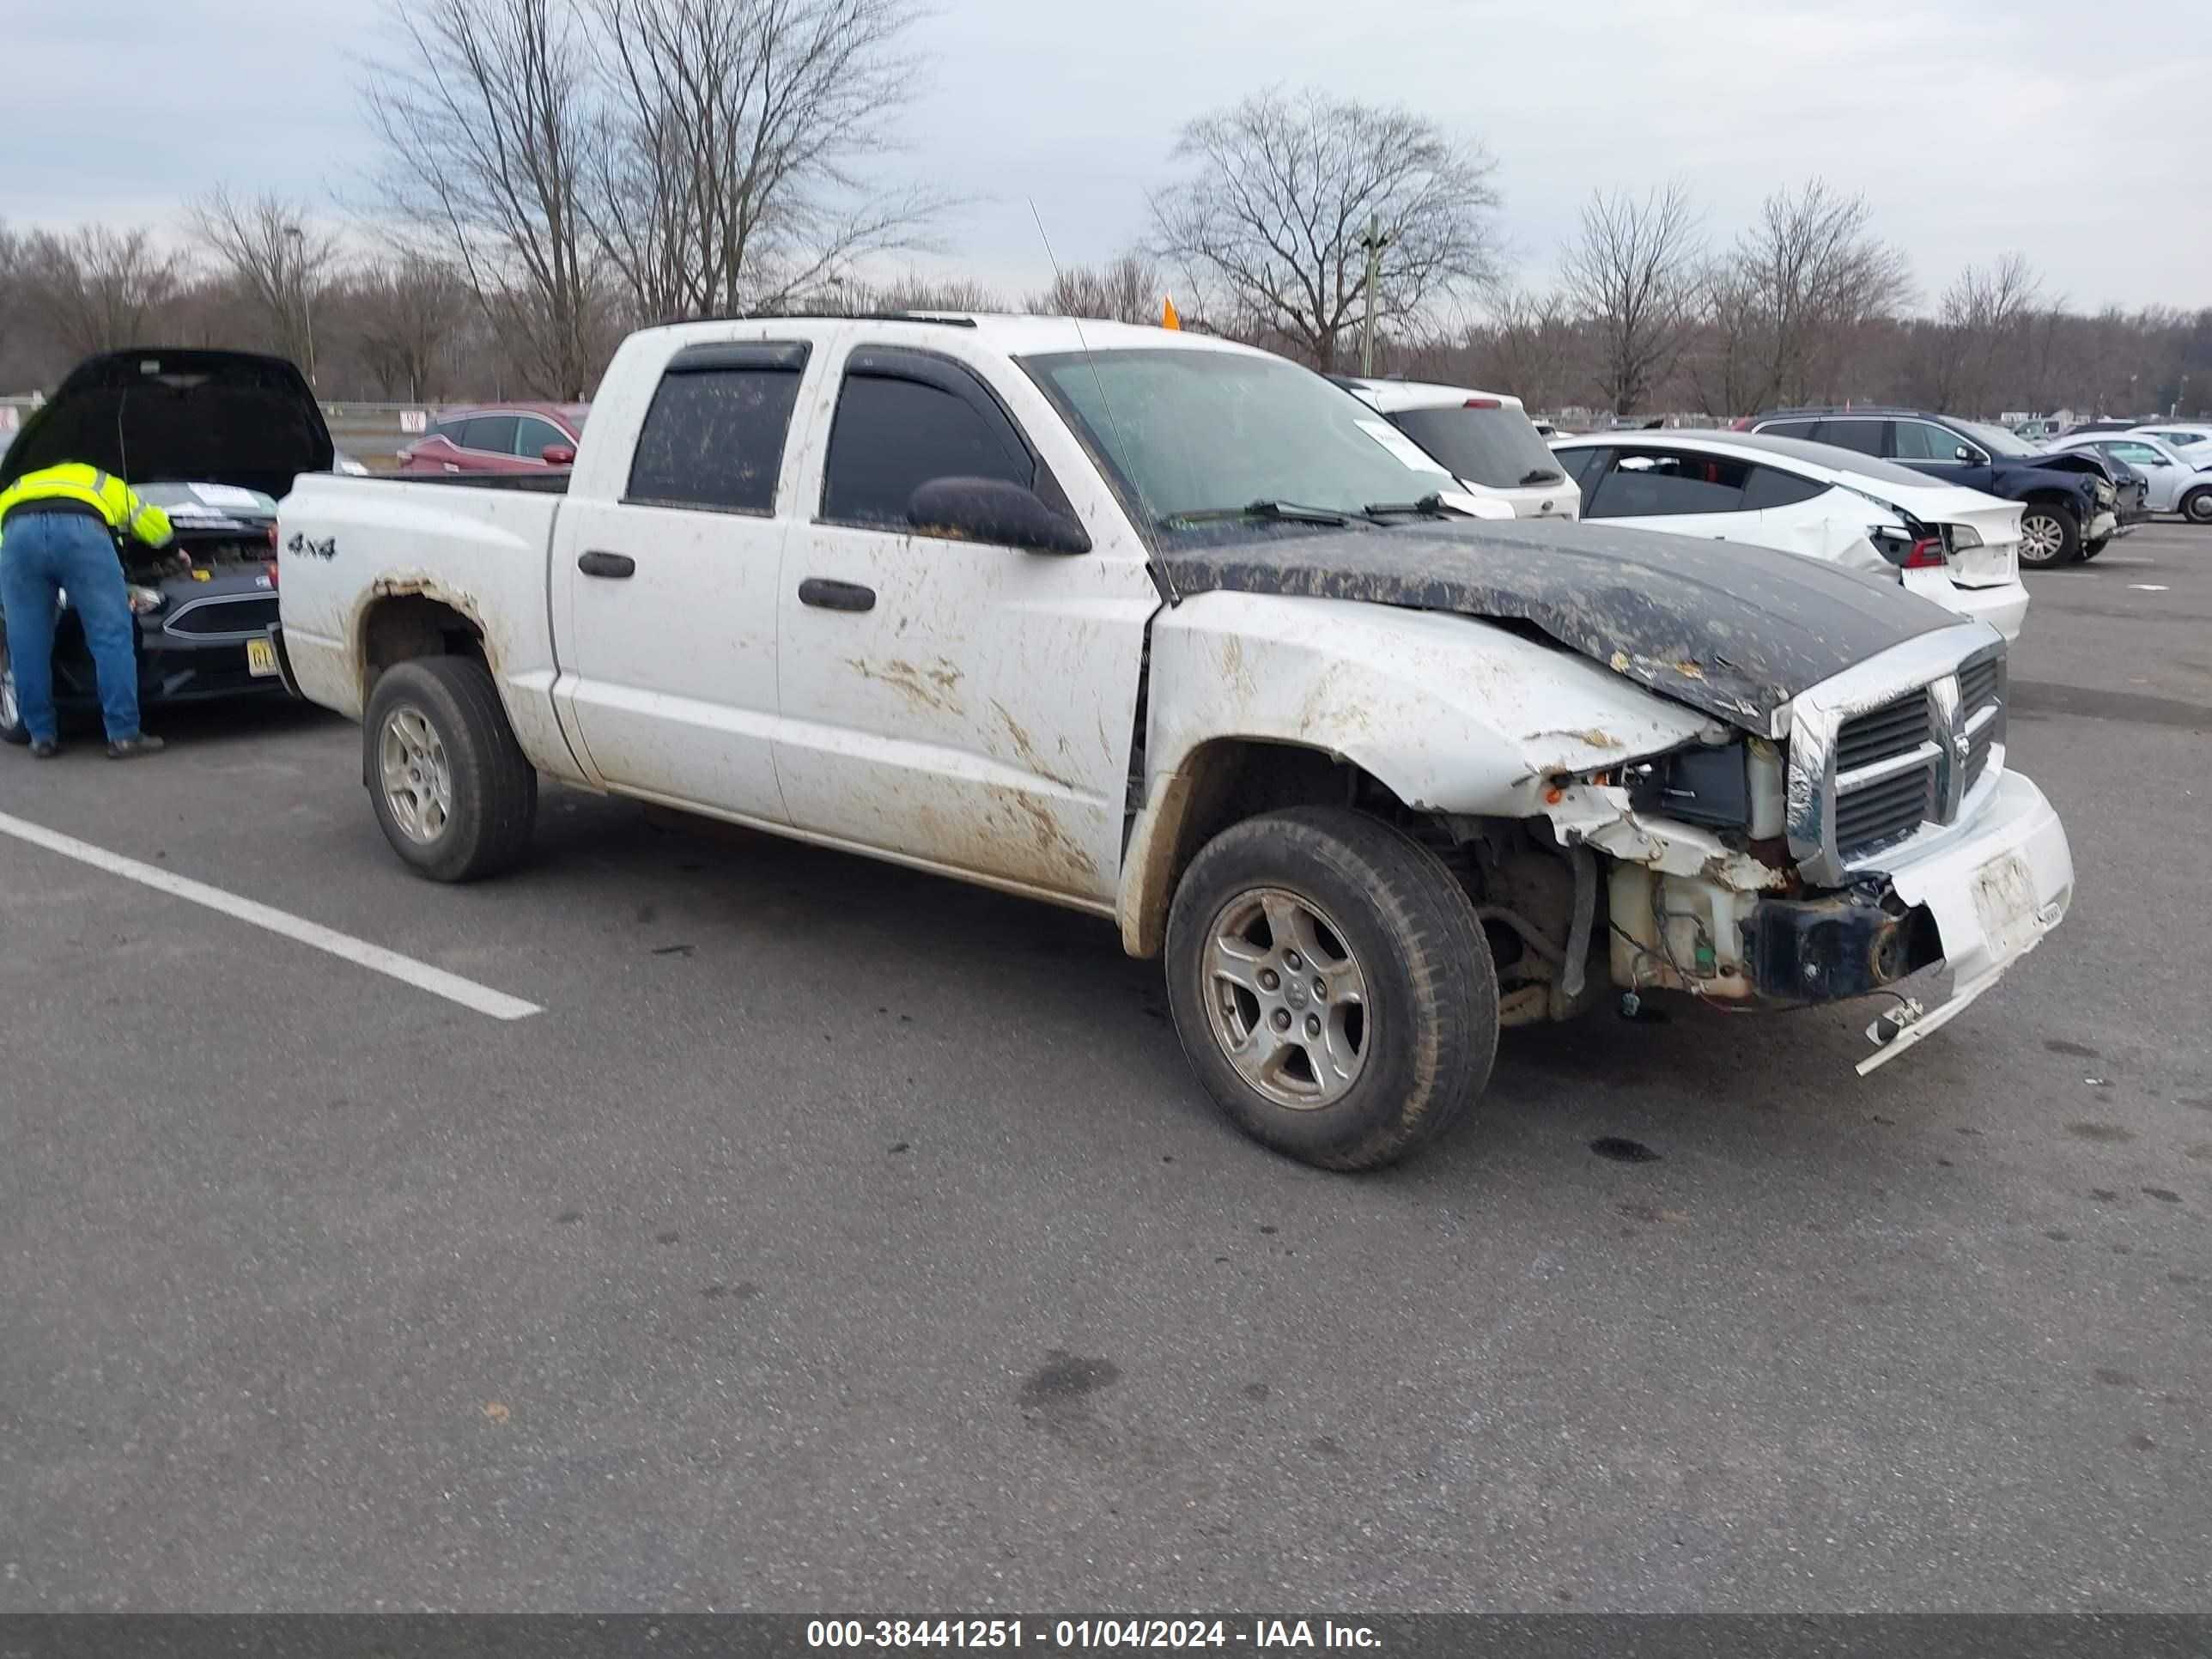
(1985, 897)
(172, 669)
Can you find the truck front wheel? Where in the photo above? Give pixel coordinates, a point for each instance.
(2050, 535)
(453, 793)
(1332, 986)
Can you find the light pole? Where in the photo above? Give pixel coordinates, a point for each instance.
(298, 239)
(1374, 241)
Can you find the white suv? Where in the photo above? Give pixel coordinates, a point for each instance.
(1484, 438)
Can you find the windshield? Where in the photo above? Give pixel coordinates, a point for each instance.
(1198, 431)
(1497, 447)
(1995, 439)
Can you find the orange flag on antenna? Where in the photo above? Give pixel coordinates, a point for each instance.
(1168, 318)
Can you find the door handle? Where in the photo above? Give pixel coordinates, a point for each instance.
(835, 596)
(616, 565)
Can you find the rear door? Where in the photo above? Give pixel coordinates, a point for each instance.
(1683, 492)
(669, 619)
(954, 702)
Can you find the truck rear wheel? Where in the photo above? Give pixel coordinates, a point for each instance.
(1332, 986)
(453, 793)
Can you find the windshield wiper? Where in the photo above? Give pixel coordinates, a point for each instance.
(1428, 506)
(1540, 474)
(1292, 511)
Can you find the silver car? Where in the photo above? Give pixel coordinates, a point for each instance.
(2177, 484)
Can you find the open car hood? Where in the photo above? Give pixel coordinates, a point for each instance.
(154, 414)
(1696, 621)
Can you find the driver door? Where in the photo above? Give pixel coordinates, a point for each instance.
(949, 702)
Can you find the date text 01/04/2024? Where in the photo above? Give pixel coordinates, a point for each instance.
(1261, 1635)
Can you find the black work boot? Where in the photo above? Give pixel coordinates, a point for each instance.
(131, 748)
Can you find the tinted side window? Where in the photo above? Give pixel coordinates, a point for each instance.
(1582, 464)
(532, 436)
(1771, 487)
(1919, 441)
(714, 438)
(1791, 428)
(492, 431)
(892, 434)
(1654, 484)
(1864, 436)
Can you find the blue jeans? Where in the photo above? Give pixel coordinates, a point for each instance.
(41, 555)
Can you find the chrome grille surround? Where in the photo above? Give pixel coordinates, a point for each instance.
(1930, 711)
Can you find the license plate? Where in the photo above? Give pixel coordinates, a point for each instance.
(2004, 903)
(261, 659)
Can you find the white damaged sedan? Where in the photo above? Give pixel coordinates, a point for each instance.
(1956, 546)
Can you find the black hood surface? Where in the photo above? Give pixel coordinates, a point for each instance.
(1732, 631)
(154, 414)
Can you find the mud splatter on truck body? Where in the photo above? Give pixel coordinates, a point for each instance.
(1696, 621)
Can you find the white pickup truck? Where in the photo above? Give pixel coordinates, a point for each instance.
(1173, 631)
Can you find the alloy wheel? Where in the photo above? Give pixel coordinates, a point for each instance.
(418, 781)
(1286, 999)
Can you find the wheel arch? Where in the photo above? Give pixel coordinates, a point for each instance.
(1219, 782)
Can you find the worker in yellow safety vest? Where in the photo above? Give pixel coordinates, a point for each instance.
(59, 528)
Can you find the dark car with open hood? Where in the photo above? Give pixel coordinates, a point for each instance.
(212, 438)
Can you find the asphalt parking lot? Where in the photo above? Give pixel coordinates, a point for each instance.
(839, 1238)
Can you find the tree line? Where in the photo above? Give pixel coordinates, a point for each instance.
(553, 173)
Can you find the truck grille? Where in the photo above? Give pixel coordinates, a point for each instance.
(226, 614)
(1897, 728)
(1908, 762)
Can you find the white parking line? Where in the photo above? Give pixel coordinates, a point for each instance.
(421, 975)
(2148, 587)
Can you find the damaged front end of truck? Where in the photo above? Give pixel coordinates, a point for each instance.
(1842, 826)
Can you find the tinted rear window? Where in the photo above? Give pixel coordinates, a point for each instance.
(715, 439)
(1496, 447)
(1863, 436)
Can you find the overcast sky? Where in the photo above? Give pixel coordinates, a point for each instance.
(2075, 133)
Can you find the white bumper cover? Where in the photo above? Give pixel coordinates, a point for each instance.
(1995, 888)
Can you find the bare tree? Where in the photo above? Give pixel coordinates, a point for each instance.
(728, 176)
(1125, 291)
(1531, 349)
(1631, 276)
(1283, 188)
(1802, 281)
(98, 288)
(407, 316)
(486, 125)
(280, 263)
(1956, 366)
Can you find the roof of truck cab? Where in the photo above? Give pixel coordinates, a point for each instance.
(1015, 336)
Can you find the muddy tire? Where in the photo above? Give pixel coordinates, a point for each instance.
(1331, 986)
(2197, 506)
(12, 729)
(2050, 535)
(453, 792)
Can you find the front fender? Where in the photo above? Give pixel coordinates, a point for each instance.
(1452, 714)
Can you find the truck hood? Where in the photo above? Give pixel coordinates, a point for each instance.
(156, 413)
(1731, 635)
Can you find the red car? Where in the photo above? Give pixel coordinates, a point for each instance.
(499, 438)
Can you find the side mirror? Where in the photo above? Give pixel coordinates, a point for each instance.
(558, 455)
(1963, 453)
(993, 511)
